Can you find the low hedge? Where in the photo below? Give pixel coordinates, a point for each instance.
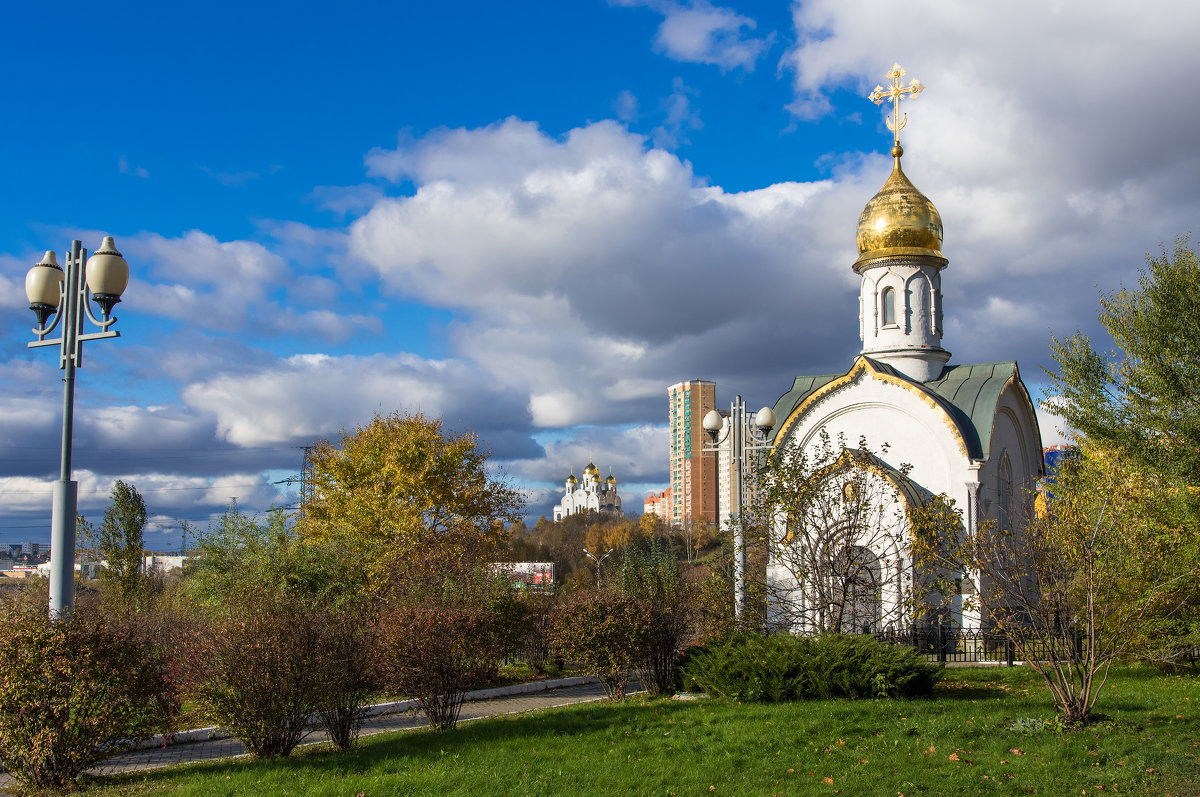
(756, 668)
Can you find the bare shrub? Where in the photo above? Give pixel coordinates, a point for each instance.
(445, 624)
(255, 668)
(345, 666)
(436, 653)
(668, 605)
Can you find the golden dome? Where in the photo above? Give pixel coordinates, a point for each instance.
(572, 480)
(899, 220)
(591, 469)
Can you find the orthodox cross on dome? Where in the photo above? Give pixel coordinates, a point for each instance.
(893, 93)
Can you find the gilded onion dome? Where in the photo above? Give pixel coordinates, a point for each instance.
(572, 480)
(591, 470)
(899, 220)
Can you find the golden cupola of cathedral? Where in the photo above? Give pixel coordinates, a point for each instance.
(899, 221)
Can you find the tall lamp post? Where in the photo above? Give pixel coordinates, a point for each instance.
(68, 296)
(598, 562)
(742, 440)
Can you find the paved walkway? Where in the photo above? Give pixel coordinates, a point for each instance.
(191, 752)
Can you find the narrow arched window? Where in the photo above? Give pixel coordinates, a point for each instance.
(889, 307)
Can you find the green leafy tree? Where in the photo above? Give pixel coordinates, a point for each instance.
(1142, 401)
(243, 554)
(1143, 398)
(120, 540)
(402, 482)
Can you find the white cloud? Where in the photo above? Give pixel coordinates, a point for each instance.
(626, 106)
(698, 32)
(229, 285)
(580, 266)
(1054, 171)
(12, 287)
(311, 396)
(681, 117)
(635, 454)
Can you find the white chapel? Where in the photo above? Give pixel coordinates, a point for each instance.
(965, 430)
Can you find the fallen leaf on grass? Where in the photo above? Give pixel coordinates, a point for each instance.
(953, 756)
(1017, 751)
(828, 780)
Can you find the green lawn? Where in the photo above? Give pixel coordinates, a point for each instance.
(973, 737)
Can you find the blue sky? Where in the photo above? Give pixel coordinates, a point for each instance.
(531, 219)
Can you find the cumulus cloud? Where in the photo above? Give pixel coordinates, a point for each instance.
(311, 396)
(635, 454)
(583, 266)
(230, 285)
(701, 33)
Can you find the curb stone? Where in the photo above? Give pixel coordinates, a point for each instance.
(216, 732)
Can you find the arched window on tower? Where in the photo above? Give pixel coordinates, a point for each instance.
(889, 307)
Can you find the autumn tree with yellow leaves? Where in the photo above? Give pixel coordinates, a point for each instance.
(403, 482)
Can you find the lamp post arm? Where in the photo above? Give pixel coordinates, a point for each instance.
(42, 332)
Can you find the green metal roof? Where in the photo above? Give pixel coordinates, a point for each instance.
(802, 388)
(968, 393)
(974, 391)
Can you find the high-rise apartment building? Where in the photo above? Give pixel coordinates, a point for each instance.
(693, 472)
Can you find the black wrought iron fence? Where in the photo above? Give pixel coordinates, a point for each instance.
(977, 646)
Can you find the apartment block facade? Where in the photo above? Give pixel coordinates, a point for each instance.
(693, 472)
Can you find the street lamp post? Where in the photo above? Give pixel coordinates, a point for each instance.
(598, 562)
(68, 296)
(742, 440)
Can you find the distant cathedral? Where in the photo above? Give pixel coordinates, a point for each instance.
(598, 495)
